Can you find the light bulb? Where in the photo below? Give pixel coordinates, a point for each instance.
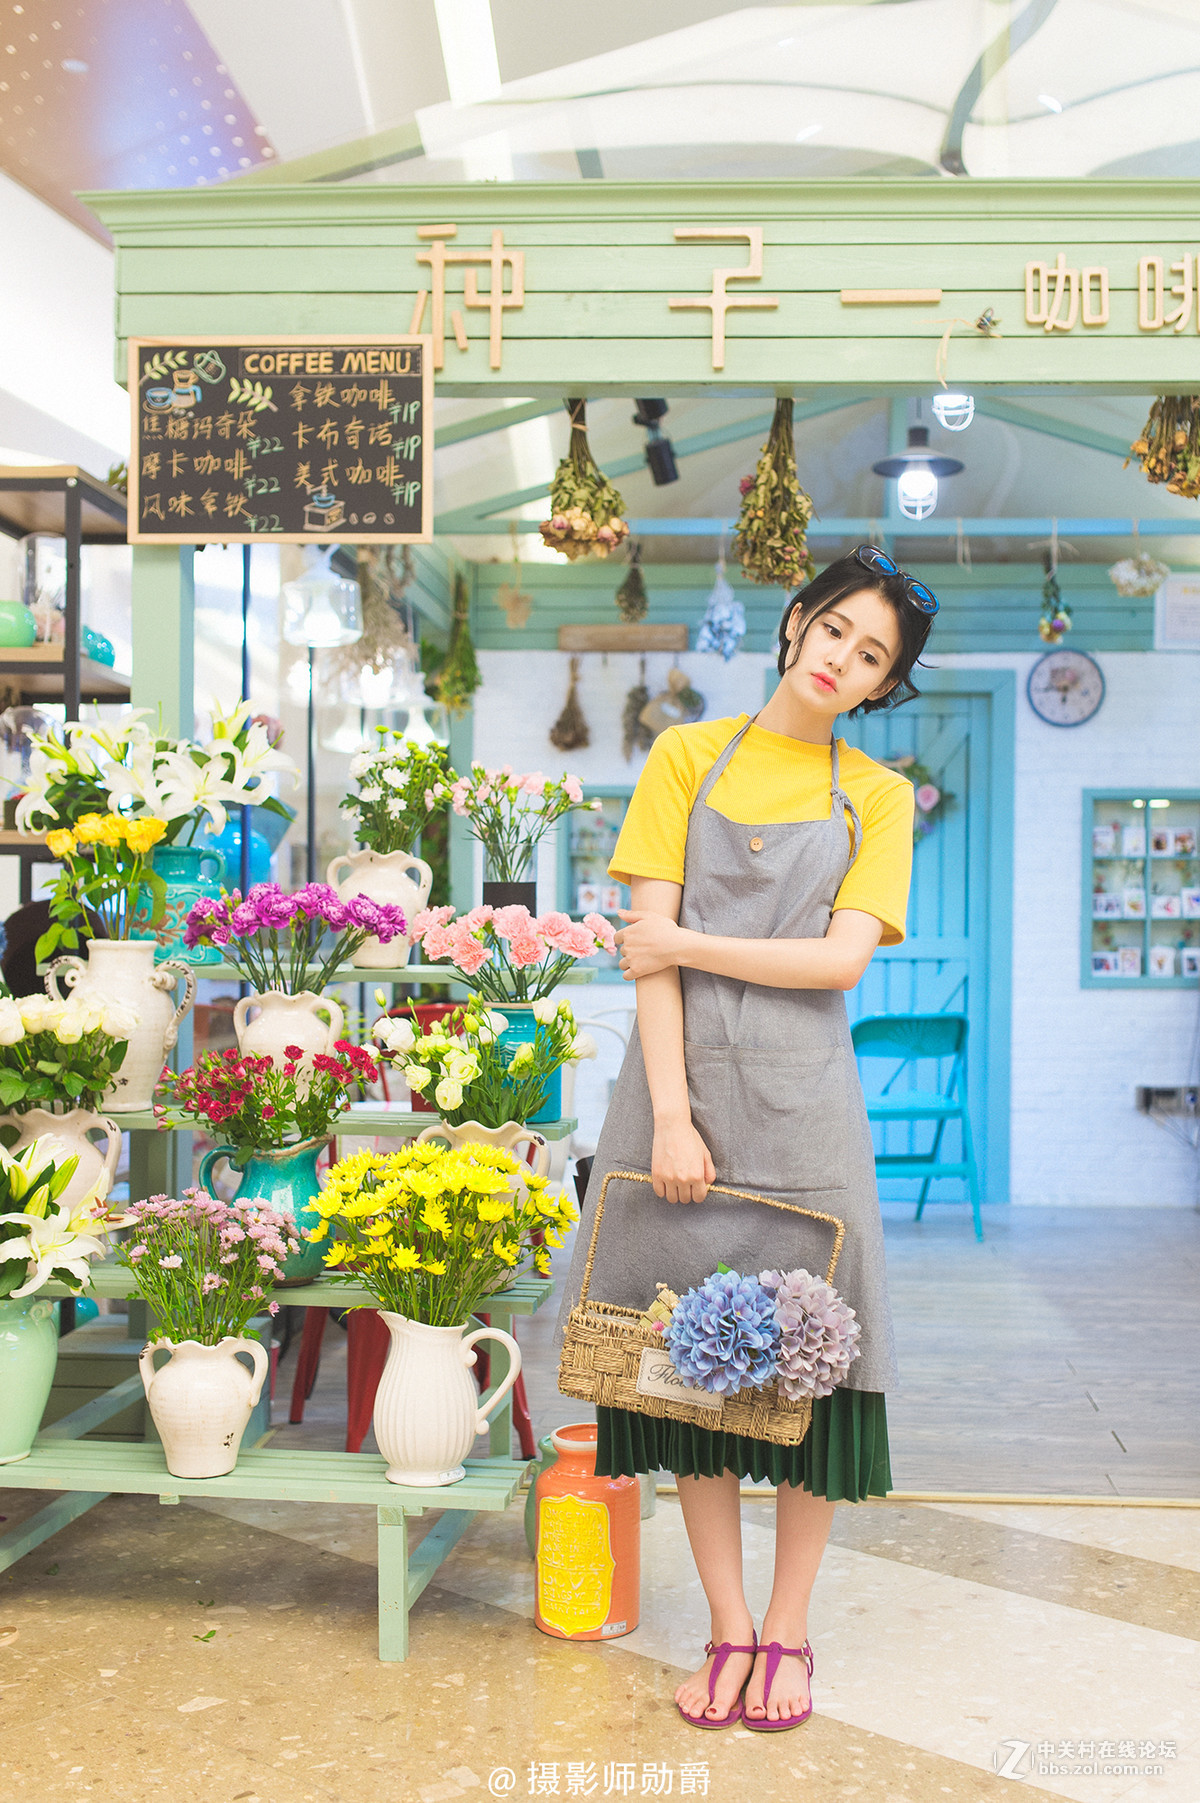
(321, 624)
(917, 492)
(375, 686)
(954, 411)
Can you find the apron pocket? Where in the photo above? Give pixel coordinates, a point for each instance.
(708, 1077)
(789, 1119)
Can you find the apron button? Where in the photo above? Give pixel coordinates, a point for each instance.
(756, 844)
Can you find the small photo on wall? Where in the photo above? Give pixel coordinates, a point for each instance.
(587, 898)
(1190, 956)
(1106, 964)
(612, 898)
(1165, 907)
(1134, 904)
(1185, 842)
(1104, 841)
(1106, 906)
(1162, 960)
(1190, 901)
(1133, 841)
(1162, 842)
(1129, 961)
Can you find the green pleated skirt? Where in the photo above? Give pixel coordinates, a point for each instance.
(843, 1456)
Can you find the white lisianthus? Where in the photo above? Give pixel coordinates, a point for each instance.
(565, 1010)
(463, 1067)
(12, 1027)
(396, 1034)
(417, 1077)
(497, 1022)
(544, 1011)
(584, 1046)
(448, 1094)
(372, 792)
(521, 1059)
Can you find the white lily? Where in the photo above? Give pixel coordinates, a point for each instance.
(138, 780)
(51, 1244)
(190, 788)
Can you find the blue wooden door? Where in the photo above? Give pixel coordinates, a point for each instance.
(957, 956)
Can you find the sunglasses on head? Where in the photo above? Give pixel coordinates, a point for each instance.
(872, 558)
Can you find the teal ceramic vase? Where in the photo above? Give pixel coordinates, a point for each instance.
(28, 1355)
(285, 1180)
(521, 1028)
(192, 873)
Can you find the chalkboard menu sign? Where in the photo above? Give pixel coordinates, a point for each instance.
(296, 440)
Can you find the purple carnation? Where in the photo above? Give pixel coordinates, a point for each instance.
(383, 919)
(818, 1333)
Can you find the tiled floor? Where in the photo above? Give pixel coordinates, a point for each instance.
(225, 1653)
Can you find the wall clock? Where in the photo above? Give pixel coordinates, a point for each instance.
(1065, 688)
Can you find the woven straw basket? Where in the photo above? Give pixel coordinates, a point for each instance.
(603, 1347)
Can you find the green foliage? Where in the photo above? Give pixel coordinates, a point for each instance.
(458, 677)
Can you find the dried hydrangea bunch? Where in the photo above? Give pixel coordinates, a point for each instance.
(1140, 575)
(585, 509)
(818, 1333)
(722, 1336)
(771, 539)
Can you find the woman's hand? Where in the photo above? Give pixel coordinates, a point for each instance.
(650, 943)
(681, 1166)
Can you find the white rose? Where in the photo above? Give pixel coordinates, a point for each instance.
(39, 1013)
(12, 1027)
(544, 1011)
(117, 1020)
(448, 1094)
(371, 793)
(416, 1076)
(397, 1035)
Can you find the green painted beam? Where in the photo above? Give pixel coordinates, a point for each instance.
(163, 631)
(475, 518)
(498, 421)
(342, 161)
(1029, 419)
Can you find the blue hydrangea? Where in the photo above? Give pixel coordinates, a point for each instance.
(723, 1336)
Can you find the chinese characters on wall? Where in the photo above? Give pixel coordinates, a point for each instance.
(1058, 297)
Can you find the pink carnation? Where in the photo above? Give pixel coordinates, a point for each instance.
(580, 942)
(928, 797)
(474, 919)
(525, 950)
(555, 928)
(467, 953)
(603, 930)
(533, 784)
(437, 943)
(573, 788)
(513, 922)
(430, 917)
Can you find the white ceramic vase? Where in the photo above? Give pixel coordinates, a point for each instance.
(508, 1137)
(281, 1020)
(201, 1400)
(124, 971)
(72, 1131)
(384, 876)
(427, 1411)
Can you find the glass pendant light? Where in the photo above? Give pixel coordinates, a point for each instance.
(954, 411)
(321, 609)
(916, 470)
(417, 730)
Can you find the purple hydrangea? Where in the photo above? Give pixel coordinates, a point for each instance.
(818, 1333)
(723, 1335)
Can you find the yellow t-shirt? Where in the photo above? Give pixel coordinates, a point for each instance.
(771, 779)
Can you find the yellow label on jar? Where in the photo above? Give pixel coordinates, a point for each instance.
(574, 1564)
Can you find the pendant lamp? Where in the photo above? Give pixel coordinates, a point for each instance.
(916, 470)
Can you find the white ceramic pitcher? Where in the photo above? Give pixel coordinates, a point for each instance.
(284, 1020)
(427, 1411)
(385, 876)
(124, 970)
(201, 1400)
(72, 1132)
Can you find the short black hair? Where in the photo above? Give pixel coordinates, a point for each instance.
(846, 576)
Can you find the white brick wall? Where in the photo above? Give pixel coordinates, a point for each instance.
(1077, 1053)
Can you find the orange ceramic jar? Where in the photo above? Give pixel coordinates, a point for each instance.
(588, 1549)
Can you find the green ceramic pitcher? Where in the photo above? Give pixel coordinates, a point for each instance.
(285, 1180)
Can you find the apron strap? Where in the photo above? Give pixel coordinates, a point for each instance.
(707, 785)
(838, 796)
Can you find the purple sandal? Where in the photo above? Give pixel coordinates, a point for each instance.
(721, 1654)
(775, 1653)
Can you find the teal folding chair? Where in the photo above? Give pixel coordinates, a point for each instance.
(910, 1039)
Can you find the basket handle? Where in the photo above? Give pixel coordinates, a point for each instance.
(719, 1189)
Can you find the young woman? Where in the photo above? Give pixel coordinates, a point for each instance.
(767, 861)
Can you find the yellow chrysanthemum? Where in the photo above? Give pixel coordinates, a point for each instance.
(336, 1254)
(406, 1258)
(435, 1266)
(434, 1216)
(491, 1208)
(508, 1250)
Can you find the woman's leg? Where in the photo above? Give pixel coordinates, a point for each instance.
(802, 1524)
(712, 1514)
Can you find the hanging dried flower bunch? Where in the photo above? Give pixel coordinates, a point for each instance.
(570, 731)
(457, 679)
(510, 596)
(770, 540)
(384, 573)
(1169, 447)
(635, 735)
(632, 599)
(1055, 619)
(1140, 575)
(585, 508)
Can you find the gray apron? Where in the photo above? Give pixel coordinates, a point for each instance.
(774, 1093)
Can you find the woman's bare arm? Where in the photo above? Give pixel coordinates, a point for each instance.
(653, 943)
(681, 1166)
